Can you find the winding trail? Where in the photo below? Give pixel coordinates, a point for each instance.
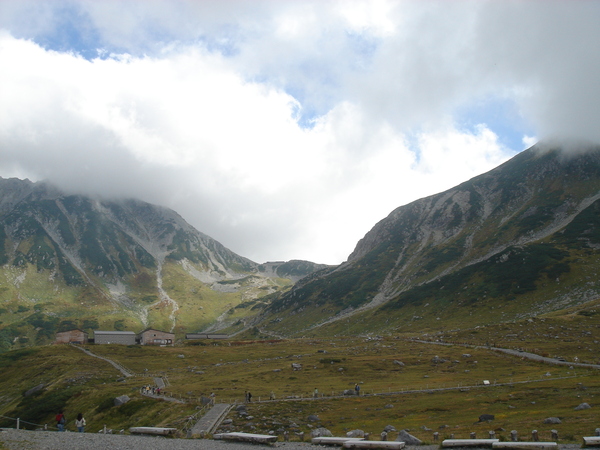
(116, 365)
(518, 353)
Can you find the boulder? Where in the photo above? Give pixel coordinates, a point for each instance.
(349, 392)
(408, 438)
(313, 418)
(321, 432)
(389, 428)
(582, 406)
(355, 434)
(552, 420)
(121, 400)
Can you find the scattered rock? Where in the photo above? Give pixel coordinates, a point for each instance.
(121, 400)
(582, 406)
(355, 434)
(321, 432)
(552, 420)
(398, 363)
(389, 406)
(407, 438)
(389, 428)
(486, 417)
(313, 418)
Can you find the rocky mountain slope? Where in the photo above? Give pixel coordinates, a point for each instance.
(71, 261)
(515, 242)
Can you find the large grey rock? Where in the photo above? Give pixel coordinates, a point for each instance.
(582, 406)
(552, 420)
(121, 400)
(355, 434)
(407, 438)
(313, 418)
(321, 432)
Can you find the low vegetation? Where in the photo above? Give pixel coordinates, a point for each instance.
(422, 387)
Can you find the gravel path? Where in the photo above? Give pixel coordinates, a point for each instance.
(12, 439)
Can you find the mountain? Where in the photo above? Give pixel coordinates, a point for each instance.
(70, 261)
(518, 241)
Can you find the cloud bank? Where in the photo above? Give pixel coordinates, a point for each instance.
(286, 130)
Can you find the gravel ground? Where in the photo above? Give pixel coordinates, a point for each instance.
(51, 440)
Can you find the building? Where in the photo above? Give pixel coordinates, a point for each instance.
(71, 337)
(206, 336)
(155, 337)
(114, 337)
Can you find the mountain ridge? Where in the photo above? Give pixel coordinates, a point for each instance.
(522, 203)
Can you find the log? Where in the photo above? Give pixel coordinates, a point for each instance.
(397, 445)
(527, 445)
(246, 437)
(334, 440)
(154, 431)
(591, 441)
(468, 442)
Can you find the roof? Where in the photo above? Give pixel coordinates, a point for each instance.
(115, 332)
(154, 329)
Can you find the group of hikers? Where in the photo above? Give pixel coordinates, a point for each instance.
(147, 390)
(61, 421)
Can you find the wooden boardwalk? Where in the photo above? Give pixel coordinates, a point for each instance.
(211, 420)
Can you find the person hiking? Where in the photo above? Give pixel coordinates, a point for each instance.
(315, 393)
(357, 389)
(60, 421)
(80, 423)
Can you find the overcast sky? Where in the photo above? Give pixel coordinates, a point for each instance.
(287, 129)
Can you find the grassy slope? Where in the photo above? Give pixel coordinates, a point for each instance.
(77, 382)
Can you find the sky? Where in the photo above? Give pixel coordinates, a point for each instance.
(288, 129)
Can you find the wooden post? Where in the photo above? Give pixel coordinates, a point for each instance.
(104, 429)
(286, 436)
(597, 431)
(492, 434)
(451, 435)
(513, 436)
(18, 422)
(554, 435)
(473, 435)
(366, 436)
(383, 436)
(534, 435)
(436, 436)
(301, 436)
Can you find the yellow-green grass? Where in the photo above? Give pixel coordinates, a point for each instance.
(425, 391)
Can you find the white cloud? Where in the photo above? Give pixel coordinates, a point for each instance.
(203, 107)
